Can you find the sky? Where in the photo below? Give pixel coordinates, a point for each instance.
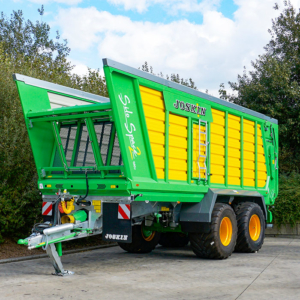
(210, 41)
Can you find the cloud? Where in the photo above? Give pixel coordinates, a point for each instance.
(210, 53)
(172, 6)
(68, 2)
(79, 68)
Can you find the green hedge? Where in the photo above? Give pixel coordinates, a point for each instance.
(287, 205)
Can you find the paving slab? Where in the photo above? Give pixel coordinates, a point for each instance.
(273, 272)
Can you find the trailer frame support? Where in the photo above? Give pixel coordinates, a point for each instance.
(56, 261)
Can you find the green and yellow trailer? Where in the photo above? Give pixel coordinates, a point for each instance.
(155, 163)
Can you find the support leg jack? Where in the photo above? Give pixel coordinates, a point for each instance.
(56, 261)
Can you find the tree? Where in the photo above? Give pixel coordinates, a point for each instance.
(26, 48)
(93, 83)
(272, 87)
(32, 42)
(174, 77)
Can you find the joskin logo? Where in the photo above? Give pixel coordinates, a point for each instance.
(118, 237)
(198, 110)
(130, 128)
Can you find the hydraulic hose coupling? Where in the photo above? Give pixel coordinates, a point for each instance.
(79, 215)
(65, 209)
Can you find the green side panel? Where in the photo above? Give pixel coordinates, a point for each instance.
(126, 102)
(40, 134)
(32, 98)
(126, 115)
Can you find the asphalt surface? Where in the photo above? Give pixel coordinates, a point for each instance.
(111, 273)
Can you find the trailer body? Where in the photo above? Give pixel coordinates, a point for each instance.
(155, 154)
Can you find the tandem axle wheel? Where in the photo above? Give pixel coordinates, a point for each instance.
(242, 230)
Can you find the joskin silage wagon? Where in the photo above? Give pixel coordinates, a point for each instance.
(157, 162)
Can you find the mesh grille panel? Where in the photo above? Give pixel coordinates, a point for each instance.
(70, 145)
(85, 155)
(116, 159)
(57, 162)
(67, 136)
(103, 132)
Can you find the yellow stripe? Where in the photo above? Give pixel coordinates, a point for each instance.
(173, 119)
(178, 130)
(154, 109)
(217, 149)
(177, 141)
(177, 147)
(155, 125)
(249, 155)
(234, 146)
(177, 152)
(156, 138)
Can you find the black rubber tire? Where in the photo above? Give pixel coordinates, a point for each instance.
(244, 243)
(208, 245)
(139, 244)
(173, 239)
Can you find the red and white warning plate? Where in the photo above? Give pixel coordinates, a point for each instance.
(124, 212)
(47, 209)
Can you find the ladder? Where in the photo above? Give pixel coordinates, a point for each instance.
(204, 133)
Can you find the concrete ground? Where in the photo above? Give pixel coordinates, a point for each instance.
(272, 273)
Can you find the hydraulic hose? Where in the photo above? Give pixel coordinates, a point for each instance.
(82, 200)
(56, 212)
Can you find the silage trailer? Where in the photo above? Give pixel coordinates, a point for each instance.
(157, 162)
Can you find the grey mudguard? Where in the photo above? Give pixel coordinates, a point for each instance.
(199, 212)
(194, 217)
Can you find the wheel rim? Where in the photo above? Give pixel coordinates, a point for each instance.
(225, 231)
(148, 235)
(254, 227)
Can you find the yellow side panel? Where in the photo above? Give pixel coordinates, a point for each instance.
(217, 147)
(249, 153)
(249, 156)
(177, 141)
(261, 166)
(177, 152)
(177, 147)
(154, 109)
(196, 151)
(234, 150)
